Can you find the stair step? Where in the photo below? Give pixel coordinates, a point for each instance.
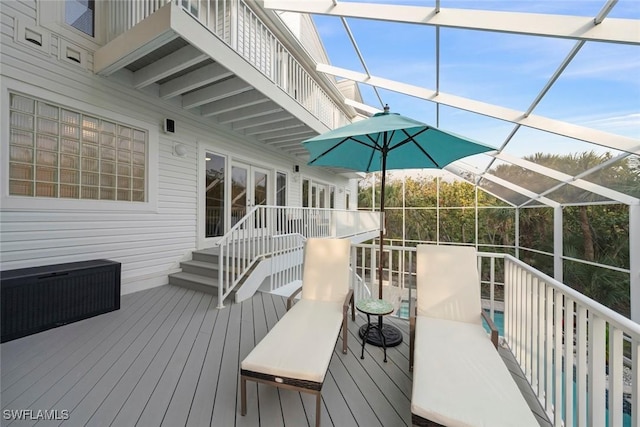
(206, 255)
(194, 281)
(200, 268)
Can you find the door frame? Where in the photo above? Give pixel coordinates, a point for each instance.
(252, 168)
(202, 241)
(229, 160)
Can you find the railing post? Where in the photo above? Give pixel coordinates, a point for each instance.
(557, 244)
(220, 278)
(634, 265)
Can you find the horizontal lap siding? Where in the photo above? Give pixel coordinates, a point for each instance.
(151, 243)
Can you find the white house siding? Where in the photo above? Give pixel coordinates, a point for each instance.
(148, 239)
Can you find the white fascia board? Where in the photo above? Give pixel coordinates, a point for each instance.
(609, 140)
(562, 26)
(143, 38)
(568, 179)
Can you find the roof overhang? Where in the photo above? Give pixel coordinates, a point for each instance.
(170, 54)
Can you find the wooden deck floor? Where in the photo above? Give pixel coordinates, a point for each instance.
(168, 357)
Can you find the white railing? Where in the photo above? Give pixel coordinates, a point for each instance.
(235, 23)
(252, 238)
(124, 15)
(548, 327)
(286, 262)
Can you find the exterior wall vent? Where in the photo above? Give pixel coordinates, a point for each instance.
(74, 55)
(32, 36)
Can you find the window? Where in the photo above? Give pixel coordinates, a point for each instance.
(281, 189)
(305, 193)
(80, 14)
(61, 153)
(332, 197)
(347, 200)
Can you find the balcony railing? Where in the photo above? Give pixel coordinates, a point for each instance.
(582, 359)
(262, 233)
(235, 23)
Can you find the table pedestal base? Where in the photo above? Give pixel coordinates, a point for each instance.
(392, 335)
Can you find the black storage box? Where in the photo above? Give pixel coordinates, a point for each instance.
(39, 298)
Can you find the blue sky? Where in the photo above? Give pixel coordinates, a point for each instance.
(600, 88)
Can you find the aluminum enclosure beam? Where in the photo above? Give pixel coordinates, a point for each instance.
(568, 179)
(610, 30)
(605, 139)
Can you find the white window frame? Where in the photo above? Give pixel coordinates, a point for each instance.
(51, 15)
(19, 203)
(286, 187)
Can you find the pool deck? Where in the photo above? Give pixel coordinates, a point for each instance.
(168, 357)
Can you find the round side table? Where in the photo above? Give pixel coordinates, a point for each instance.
(375, 307)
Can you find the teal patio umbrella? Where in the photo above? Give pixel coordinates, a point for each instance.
(389, 141)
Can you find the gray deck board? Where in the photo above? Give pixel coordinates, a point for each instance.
(90, 392)
(170, 357)
(49, 380)
(30, 352)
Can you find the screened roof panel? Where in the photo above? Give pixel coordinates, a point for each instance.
(560, 103)
(567, 155)
(626, 9)
(534, 203)
(569, 194)
(468, 71)
(599, 89)
(622, 176)
(545, 6)
(475, 126)
(522, 177)
(502, 192)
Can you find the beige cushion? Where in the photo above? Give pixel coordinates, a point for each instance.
(461, 380)
(300, 345)
(448, 285)
(326, 275)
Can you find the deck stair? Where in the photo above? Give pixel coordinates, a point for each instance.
(201, 272)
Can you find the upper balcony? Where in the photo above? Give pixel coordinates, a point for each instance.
(230, 62)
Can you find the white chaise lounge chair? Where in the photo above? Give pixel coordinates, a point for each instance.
(459, 379)
(296, 352)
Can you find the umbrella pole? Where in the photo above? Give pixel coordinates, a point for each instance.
(382, 222)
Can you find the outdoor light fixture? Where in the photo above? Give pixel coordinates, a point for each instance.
(179, 149)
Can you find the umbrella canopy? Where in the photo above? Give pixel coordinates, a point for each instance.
(407, 144)
(389, 141)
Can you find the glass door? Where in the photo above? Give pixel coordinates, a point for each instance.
(250, 186)
(214, 196)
